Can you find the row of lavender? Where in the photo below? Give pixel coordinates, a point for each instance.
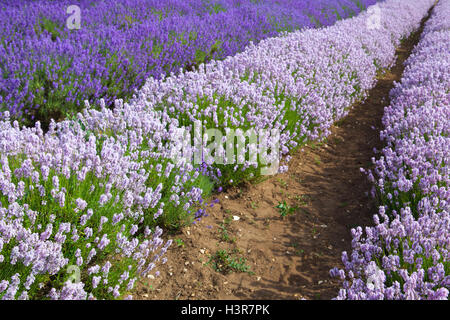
(406, 254)
(322, 73)
(83, 201)
(47, 70)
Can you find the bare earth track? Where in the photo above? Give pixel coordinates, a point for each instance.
(290, 256)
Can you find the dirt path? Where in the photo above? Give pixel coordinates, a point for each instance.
(290, 256)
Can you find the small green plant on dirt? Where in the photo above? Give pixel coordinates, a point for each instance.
(340, 123)
(302, 199)
(297, 250)
(224, 234)
(317, 161)
(283, 183)
(225, 261)
(253, 205)
(337, 140)
(179, 242)
(285, 209)
(316, 145)
(228, 219)
(343, 204)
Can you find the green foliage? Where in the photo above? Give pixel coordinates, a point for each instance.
(285, 209)
(46, 25)
(225, 261)
(179, 242)
(224, 234)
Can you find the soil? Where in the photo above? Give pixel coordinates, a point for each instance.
(289, 256)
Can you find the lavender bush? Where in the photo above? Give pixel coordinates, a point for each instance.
(47, 70)
(93, 191)
(406, 254)
(71, 199)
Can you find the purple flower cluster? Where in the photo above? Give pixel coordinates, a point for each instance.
(47, 70)
(70, 197)
(406, 254)
(298, 83)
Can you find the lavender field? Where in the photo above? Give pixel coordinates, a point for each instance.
(49, 70)
(90, 190)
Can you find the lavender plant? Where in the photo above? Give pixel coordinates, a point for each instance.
(48, 70)
(406, 254)
(69, 198)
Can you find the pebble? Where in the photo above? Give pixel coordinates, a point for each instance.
(320, 282)
(186, 263)
(150, 276)
(184, 270)
(236, 218)
(202, 251)
(258, 278)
